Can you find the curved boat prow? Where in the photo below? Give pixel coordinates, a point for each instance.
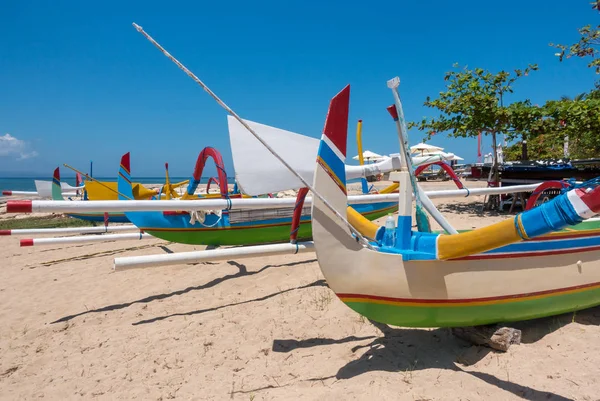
(197, 175)
(124, 185)
(330, 179)
(124, 178)
(56, 188)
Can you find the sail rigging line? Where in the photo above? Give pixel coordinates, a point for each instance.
(359, 236)
(95, 180)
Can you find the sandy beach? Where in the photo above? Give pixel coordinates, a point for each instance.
(254, 329)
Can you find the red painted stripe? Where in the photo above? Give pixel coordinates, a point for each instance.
(573, 234)
(57, 174)
(127, 180)
(331, 175)
(7, 193)
(125, 162)
(22, 206)
(467, 300)
(336, 123)
(591, 199)
(393, 111)
(27, 242)
(527, 254)
(5, 232)
(174, 213)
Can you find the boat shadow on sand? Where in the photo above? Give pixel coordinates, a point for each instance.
(406, 350)
(473, 209)
(242, 272)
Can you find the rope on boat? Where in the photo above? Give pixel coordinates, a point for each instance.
(95, 180)
(234, 114)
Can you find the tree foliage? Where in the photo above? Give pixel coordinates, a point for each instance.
(577, 119)
(586, 46)
(473, 103)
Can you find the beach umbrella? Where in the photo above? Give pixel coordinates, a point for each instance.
(439, 152)
(425, 148)
(454, 157)
(370, 156)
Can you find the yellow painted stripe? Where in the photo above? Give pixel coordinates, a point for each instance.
(331, 174)
(478, 240)
(363, 225)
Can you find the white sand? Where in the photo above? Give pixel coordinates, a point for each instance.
(264, 328)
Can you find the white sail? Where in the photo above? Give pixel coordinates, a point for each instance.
(258, 172)
(44, 188)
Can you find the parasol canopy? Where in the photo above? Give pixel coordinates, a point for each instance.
(370, 156)
(425, 148)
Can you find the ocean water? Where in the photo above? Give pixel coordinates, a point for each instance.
(27, 184)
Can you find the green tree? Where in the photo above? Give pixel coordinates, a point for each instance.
(473, 103)
(586, 46)
(576, 120)
(542, 146)
(579, 120)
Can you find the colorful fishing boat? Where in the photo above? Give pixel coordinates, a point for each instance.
(106, 217)
(544, 261)
(93, 190)
(229, 227)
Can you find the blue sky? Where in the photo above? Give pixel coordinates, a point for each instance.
(79, 83)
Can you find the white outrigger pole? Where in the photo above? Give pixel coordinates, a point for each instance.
(419, 195)
(29, 206)
(129, 262)
(82, 239)
(68, 230)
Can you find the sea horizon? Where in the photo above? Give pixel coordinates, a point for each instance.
(28, 184)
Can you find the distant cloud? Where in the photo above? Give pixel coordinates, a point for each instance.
(12, 146)
(29, 155)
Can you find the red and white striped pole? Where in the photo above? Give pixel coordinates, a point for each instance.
(84, 239)
(67, 230)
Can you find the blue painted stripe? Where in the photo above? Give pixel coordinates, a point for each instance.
(157, 220)
(192, 186)
(335, 164)
(550, 216)
(531, 246)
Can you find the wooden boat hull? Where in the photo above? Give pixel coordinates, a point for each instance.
(465, 294)
(415, 287)
(227, 227)
(96, 217)
(177, 228)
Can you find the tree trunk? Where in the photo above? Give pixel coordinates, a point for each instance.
(492, 202)
(495, 159)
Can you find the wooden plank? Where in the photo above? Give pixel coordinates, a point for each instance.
(498, 338)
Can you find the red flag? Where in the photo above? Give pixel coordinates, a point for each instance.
(479, 147)
(105, 219)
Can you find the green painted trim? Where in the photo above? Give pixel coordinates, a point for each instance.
(244, 236)
(465, 315)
